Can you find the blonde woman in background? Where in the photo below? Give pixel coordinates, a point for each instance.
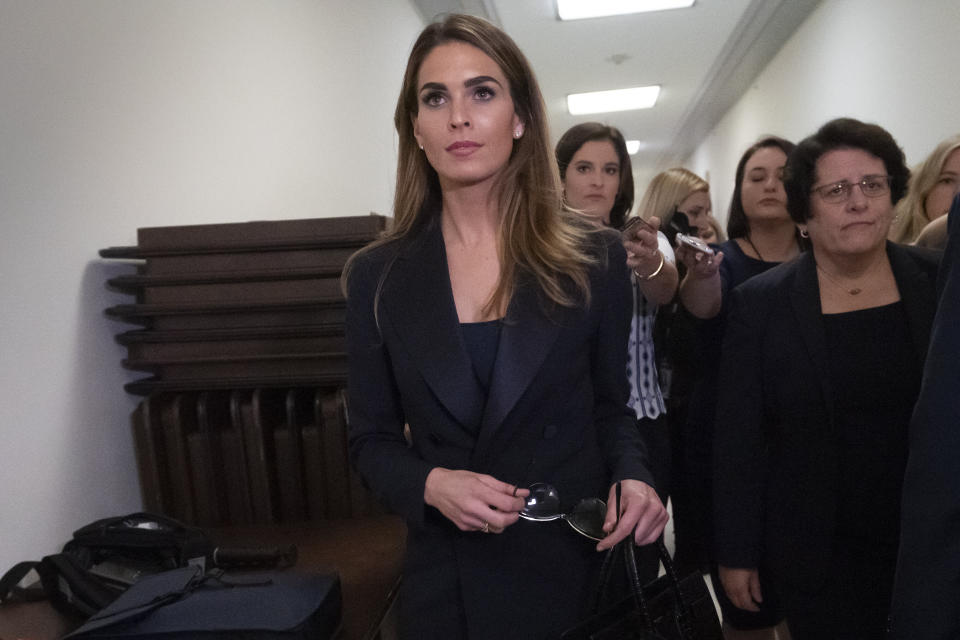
(930, 191)
(711, 232)
(659, 351)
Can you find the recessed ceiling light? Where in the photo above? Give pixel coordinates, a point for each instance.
(577, 9)
(579, 104)
(633, 146)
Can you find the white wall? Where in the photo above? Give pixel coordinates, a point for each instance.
(891, 62)
(119, 114)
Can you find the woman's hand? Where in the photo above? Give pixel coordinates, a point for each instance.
(700, 291)
(643, 247)
(742, 587)
(474, 501)
(699, 264)
(656, 276)
(640, 509)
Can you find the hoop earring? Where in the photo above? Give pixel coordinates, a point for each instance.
(804, 233)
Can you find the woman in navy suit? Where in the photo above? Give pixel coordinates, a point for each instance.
(819, 374)
(494, 325)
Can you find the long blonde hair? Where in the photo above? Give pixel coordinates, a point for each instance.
(666, 191)
(911, 215)
(536, 235)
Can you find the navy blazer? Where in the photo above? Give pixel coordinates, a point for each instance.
(776, 458)
(556, 412)
(926, 594)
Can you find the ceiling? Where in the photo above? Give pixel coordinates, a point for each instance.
(704, 57)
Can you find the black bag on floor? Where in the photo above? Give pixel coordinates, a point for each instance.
(184, 603)
(669, 608)
(103, 559)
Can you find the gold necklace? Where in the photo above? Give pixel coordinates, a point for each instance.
(852, 290)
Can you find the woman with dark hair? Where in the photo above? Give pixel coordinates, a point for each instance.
(758, 218)
(596, 172)
(762, 235)
(493, 324)
(820, 370)
(597, 179)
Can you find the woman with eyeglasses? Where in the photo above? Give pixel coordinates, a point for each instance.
(493, 323)
(821, 366)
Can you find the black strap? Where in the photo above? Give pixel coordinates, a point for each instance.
(625, 550)
(683, 614)
(215, 578)
(10, 589)
(635, 585)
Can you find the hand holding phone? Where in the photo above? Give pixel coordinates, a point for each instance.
(694, 243)
(633, 225)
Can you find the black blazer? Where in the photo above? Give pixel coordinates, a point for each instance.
(775, 459)
(926, 594)
(556, 412)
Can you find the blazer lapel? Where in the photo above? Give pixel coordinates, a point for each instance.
(805, 300)
(418, 300)
(525, 340)
(918, 294)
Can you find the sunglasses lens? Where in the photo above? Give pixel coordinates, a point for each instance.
(587, 518)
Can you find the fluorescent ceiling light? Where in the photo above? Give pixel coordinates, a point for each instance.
(577, 9)
(579, 104)
(633, 146)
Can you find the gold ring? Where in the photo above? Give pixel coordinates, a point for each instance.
(486, 527)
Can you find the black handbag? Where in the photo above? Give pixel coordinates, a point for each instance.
(669, 608)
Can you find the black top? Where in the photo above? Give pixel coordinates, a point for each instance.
(875, 378)
(736, 268)
(777, 476)
(482, 340)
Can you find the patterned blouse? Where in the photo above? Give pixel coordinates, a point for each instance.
(645, 397)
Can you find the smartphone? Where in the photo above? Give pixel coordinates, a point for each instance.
(694, 243)
(632, 225)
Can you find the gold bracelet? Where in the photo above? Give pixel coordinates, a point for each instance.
(656, 271)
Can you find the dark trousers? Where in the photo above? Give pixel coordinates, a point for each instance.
(690, 507)
(852, 604)
(656, 436)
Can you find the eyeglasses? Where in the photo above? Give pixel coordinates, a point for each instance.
(870, 186)
(586, 517)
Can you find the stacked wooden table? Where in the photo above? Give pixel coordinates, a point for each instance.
(242, 327)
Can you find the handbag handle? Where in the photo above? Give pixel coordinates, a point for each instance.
(636, 587)
(683, 615)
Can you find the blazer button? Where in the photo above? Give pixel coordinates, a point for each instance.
(550, 432)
